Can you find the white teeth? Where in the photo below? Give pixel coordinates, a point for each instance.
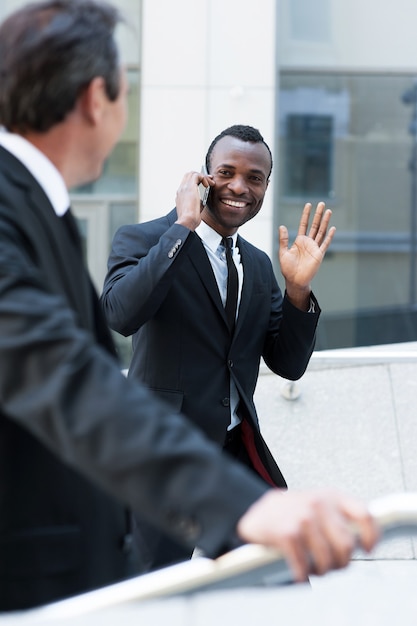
(238, 205)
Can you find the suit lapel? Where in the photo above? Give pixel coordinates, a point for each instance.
(247, 260)
(202, 265)
(67, 256)
(49, 234)
(200, 261)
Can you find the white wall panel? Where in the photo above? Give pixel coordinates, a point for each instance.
(241, 45)
(206, 64)
(171, 143)
(174, 46)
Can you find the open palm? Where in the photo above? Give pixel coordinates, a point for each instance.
(301, 262)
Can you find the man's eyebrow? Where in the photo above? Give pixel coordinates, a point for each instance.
(257, 171)
(252, 170)
(231, 167)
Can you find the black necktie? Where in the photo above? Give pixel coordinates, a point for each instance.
(232, 283)
(72, 227)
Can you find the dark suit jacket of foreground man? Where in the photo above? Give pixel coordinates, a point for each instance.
(64, 403)
(169, 300)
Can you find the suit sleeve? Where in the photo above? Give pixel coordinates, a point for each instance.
(141, 267)
(291, 335)
(59, 385)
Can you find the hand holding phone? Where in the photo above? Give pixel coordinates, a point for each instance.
(204, 191)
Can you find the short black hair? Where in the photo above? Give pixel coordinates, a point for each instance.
(242, 132)
(49, 52)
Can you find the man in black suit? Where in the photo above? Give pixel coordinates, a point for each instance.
(79, 443)
(167, 286)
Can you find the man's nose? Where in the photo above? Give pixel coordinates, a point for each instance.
(238, 185)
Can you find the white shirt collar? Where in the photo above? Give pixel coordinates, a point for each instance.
(211, 237)
(41, 168)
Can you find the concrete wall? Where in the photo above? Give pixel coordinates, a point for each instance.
(351, 426)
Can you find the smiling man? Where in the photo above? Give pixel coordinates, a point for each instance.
(167, 286)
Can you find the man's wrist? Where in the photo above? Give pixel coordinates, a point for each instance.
(301, 299)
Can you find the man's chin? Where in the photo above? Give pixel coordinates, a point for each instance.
(87, 179)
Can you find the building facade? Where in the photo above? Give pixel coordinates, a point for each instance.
(332, 86)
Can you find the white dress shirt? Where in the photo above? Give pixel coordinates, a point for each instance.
(41, 168)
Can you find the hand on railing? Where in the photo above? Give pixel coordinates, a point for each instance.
(396, 515)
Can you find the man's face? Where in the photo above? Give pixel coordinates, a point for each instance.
(240, 170)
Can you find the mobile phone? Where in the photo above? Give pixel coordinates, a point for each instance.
(204, 191)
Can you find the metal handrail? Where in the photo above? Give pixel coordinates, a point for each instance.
(321, 359)
(362, 356)
(395, 514)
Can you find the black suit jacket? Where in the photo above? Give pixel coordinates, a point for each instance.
(78, 440)
(161, 288)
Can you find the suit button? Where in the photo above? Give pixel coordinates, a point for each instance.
(230, 363)
(127, 544)
(184, 526)
(226, 402)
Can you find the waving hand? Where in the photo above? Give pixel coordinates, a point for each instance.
(301, 262)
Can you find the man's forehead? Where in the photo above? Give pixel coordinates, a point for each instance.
(229, 149)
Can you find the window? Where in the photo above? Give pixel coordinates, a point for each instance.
(309, 155)
(349, 139)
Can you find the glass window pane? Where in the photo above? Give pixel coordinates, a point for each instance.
(308, 162)
(351, 140)
(119, 215)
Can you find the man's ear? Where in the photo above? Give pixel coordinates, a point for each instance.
(92, 100)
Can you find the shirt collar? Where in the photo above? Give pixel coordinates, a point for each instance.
(41, 168)
(211, 237)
